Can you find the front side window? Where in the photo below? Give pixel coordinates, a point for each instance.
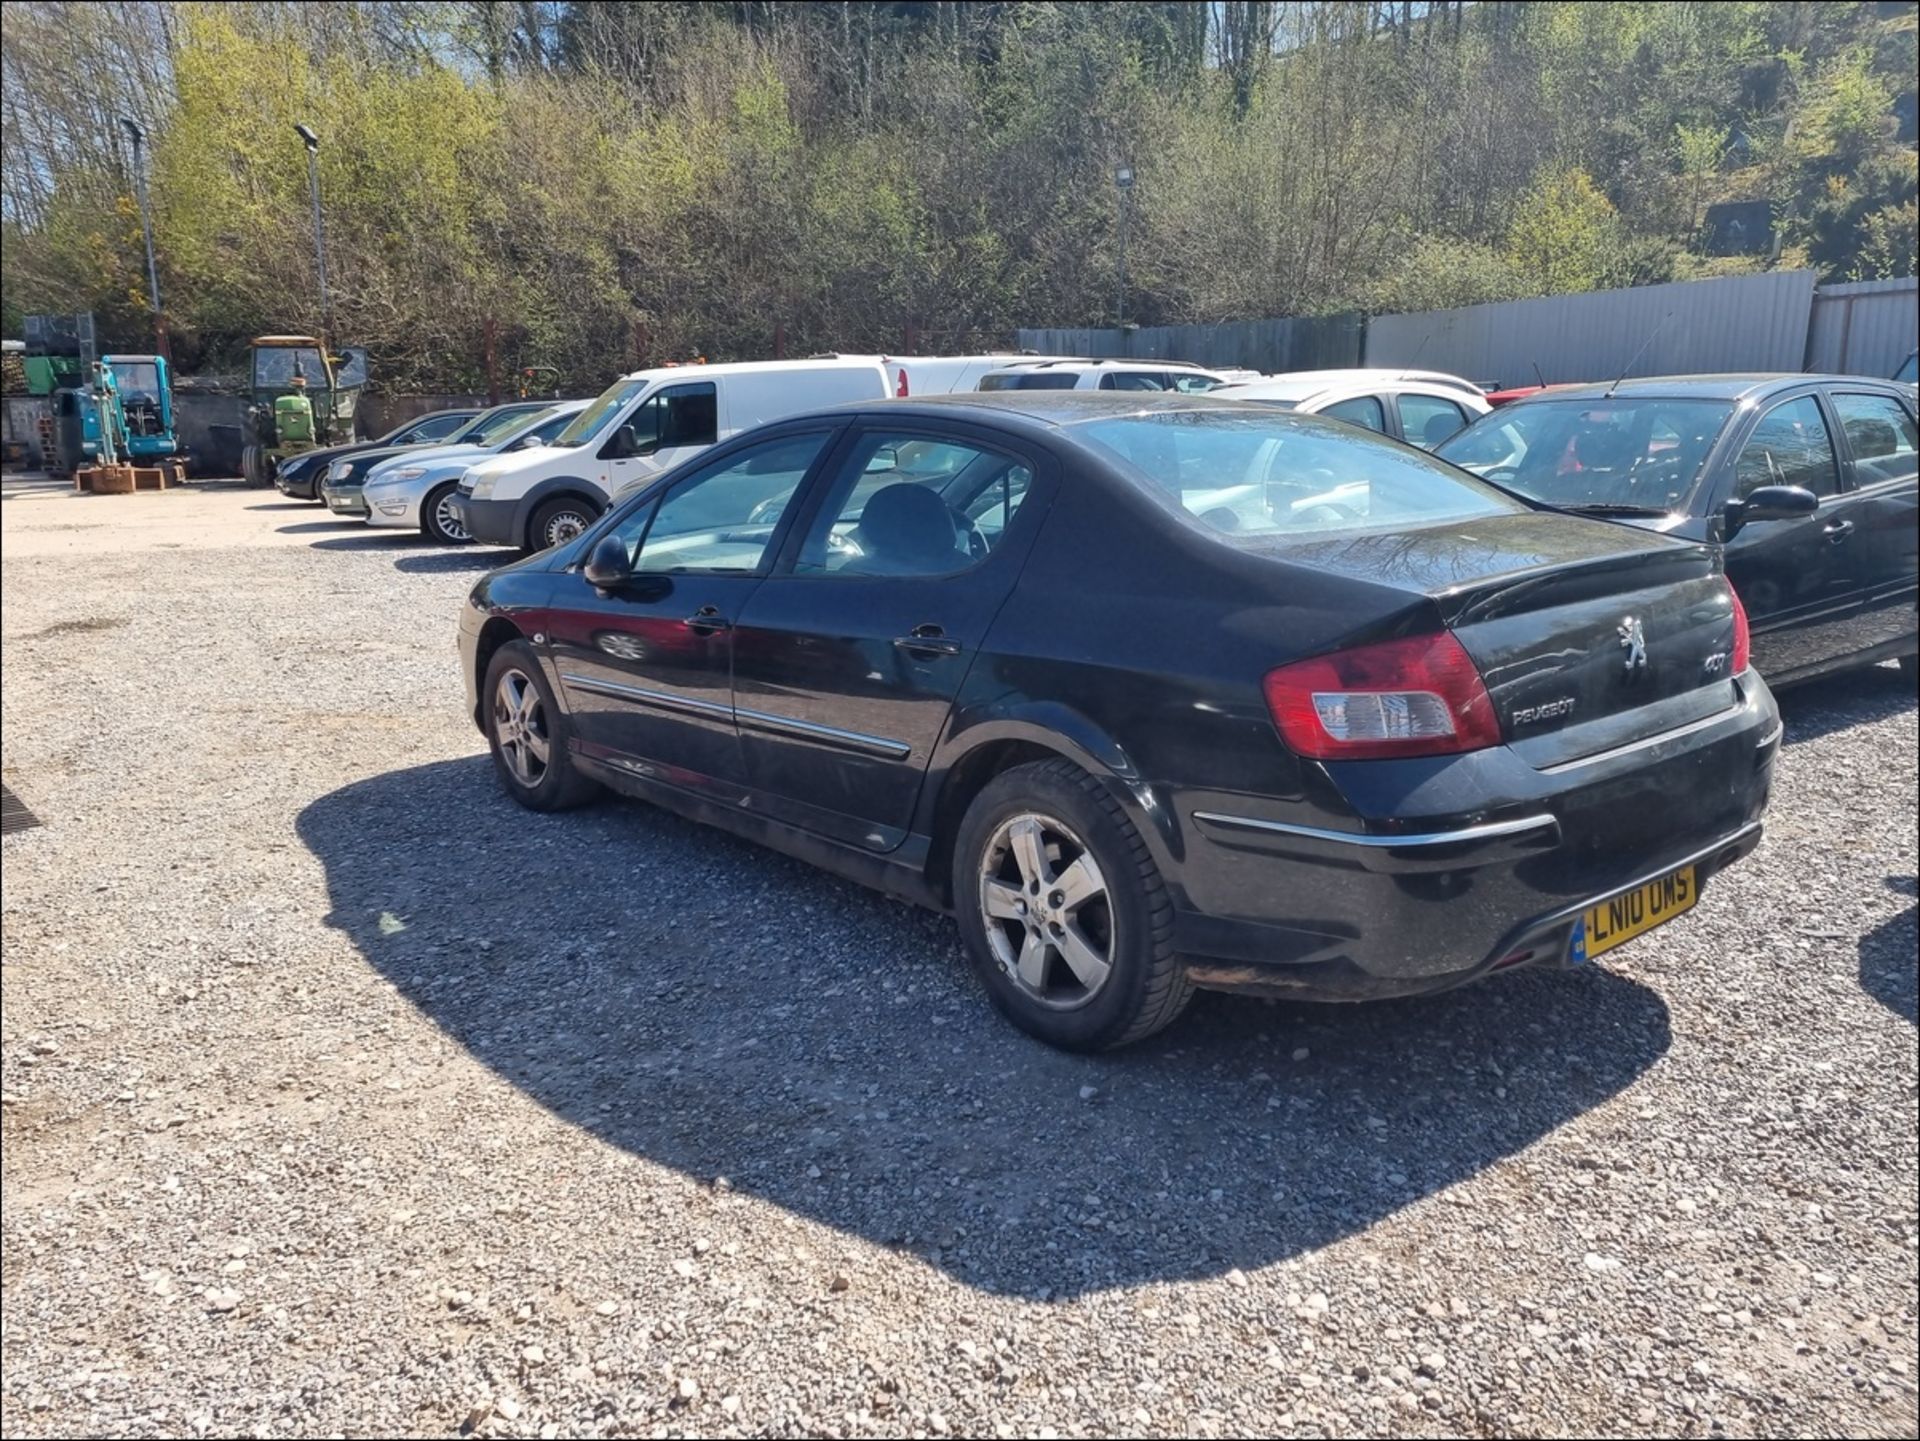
(433, 427)
(1364, 411)
(1633, 455)
(720, 519)
(493, 426)
(1880, 434)
(1271, 473)
(1790, 446)
(675, 415)
(914, 505)
(1428, 420)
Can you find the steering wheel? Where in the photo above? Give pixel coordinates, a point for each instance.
(1501, 474)
(970, 533)
(1330, 510)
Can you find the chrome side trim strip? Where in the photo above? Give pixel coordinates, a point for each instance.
(833, 735)
(1490, 831)
(1644, 743)
(761, 720)
(690, 704)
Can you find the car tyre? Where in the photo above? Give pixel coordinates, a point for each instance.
(559, 521)
(1910, 668)
(1046, 858)
(437, 526)
(528, 734)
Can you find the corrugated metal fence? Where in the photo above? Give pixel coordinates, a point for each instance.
(1864, 327)
(1776, 321)
(1750, 322)
(1308, 342)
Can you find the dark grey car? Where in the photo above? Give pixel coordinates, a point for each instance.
(1810, 481)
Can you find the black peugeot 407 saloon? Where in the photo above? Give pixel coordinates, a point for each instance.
(1150, 693)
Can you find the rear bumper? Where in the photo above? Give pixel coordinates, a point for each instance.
(1410, 900)
(490, 522)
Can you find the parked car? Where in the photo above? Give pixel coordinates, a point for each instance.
(922, 375)
(300, 476)
(1421, 407)
(1144, 375)
(1808, 480)
(341, 489)
(415, 489)
(1002, 655)
(637, 429)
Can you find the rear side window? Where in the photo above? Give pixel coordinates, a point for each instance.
(1429, 419)
(1134, 380)
(1031, 380)
(1790, 446)
(1363, 410)
(1275, 473)
(1880, 434)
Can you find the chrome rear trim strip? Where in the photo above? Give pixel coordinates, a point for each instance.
(1492, 830)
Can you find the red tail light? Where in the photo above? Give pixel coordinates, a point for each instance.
(1422, 696)
(900, 390)
(1742, 636)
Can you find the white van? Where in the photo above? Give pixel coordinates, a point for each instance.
(643, 425)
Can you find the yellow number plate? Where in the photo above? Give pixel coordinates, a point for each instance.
(1615, 922)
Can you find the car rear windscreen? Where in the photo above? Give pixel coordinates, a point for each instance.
(1277, 473)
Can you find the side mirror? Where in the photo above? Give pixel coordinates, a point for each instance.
(608, 567)
(528, 442)
(1770, 502)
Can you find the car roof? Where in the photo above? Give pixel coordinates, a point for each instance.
(1051, 408)
(1110, 363)
(753, 367)
(1736, 386)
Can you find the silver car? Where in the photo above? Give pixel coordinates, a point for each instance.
(411, 491)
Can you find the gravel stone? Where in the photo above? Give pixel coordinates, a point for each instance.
(283, 969)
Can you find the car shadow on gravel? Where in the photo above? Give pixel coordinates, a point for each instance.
(1836, 703)
(416, 555)
(320, 527)
(306, 505)
(1888, 971)
(722, 1010)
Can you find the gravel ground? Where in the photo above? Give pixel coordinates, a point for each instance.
(343, 1096)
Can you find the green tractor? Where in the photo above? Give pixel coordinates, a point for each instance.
(299, 397)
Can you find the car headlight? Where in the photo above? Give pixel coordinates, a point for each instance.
(480, 486)
(338, 470)
(406, 472)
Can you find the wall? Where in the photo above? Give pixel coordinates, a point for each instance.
(1748, 322)
(1313, 342)
(1864, 327)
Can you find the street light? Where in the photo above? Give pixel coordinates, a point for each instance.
(312, 142)
(1123, 182)
(138, 138)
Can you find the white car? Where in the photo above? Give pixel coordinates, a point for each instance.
(1152, 375)
(416, 490)
(639, 428)
(1421, 407)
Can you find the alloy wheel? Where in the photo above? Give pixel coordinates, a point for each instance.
(1049, 917)
(520, 727)
(448, 523)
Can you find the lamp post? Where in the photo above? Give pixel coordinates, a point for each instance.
(137, 138)
(1123, 182)
(312, 142)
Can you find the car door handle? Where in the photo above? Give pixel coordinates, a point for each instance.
(708, 618)
(928, 640)
(1837, 531)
